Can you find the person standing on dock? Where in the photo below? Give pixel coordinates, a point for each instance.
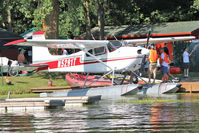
(166, 50)
(153, 57)
(186, 62)
(164, 65)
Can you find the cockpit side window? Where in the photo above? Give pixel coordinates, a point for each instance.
(99, 51)
(90, 51)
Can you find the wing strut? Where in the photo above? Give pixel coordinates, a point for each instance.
(139, 76)
(85, 81)
(96, 59)
(111, 70)
(100, 78)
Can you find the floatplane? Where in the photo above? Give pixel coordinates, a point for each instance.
(95, 56)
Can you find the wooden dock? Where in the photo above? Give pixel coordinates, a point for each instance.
(190, 85)
(24, 104)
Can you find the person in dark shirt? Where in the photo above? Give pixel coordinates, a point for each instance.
(166, 50)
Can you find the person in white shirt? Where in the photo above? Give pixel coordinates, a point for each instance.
(164, 65)
(64, 51)
(186, 62)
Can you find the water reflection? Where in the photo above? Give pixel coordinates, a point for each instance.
(109, 116)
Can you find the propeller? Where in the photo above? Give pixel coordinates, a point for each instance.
(144, 59)
(148, 37)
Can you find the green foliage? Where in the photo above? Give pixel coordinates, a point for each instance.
(151, 100)
(30, 13)
(196, 4)
(178, 49)
(44, 7)
(155, 100)
(72, 17)
(22, 15)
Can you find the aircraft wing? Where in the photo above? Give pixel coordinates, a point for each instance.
(54, 43)
(89, 44)
(159, 40)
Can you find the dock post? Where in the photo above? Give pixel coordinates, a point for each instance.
(190, 88)
(113, 75)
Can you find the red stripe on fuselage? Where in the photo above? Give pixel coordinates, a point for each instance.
(111, 60)
(69, 62)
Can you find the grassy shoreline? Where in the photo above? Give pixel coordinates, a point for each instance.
(20, 95)
(22, 84)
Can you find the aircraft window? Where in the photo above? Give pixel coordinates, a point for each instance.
(99, 51)
(90, 51)
(59, 51)
(54, 51)
(111, 47)
(116, 44)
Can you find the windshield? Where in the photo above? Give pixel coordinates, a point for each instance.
(113, 45)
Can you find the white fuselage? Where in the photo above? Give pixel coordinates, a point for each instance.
(122, 59)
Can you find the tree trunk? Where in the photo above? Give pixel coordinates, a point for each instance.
(100, 15)
(88, 20)
(9, 20)
(50, 24)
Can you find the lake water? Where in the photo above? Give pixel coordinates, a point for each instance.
(111, 116)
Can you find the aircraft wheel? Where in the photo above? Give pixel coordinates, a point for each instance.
(13, 72)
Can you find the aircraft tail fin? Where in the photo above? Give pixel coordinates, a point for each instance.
(38, 35)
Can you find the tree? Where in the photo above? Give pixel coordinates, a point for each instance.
(6, 14)
(87, 19)
(9, 16)
(45, 15)
(100, 16)
(51, 20)
(74, 17)
(195, 9)
(13, 17)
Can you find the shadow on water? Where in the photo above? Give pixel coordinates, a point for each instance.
(179, 115)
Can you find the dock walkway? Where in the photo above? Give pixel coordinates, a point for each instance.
(24, 104)
(190, 85)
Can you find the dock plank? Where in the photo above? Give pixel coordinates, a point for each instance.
(23, 104)
(53, 98)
